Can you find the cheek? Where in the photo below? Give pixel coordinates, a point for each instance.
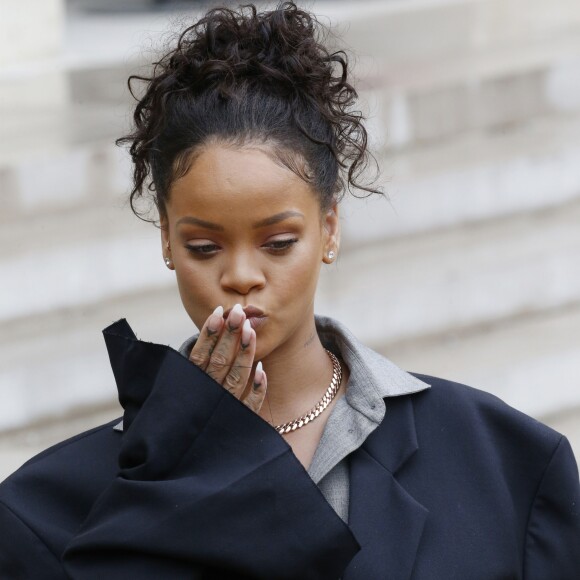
(299, 276)
(198, 293)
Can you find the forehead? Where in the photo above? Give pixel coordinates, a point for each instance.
(239, 179)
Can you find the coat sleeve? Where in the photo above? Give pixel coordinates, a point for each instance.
(553, 533)
(206, 488)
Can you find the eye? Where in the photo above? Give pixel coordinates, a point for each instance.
(280, 246)
(203, 250)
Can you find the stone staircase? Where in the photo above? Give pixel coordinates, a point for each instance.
(468, 271)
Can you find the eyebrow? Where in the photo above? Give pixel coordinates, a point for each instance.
(274, 219)
(197, 222)
(279, 217)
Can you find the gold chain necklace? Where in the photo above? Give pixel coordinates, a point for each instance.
(321, 405)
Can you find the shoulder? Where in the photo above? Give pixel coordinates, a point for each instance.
(85, 447)
(463, 410)
(61, 483)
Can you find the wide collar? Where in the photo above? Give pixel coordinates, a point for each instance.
(385, 518)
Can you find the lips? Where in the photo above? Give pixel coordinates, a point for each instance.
(250, 311)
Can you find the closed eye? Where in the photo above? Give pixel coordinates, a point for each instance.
(280, 246)
(204, 250)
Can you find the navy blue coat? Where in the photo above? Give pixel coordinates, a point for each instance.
(454, 484)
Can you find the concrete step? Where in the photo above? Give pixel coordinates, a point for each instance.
(457, 278)
(55, 364)
(78, 260)
(414, 31)
(475, 177)
(432, 69)
(530, 361)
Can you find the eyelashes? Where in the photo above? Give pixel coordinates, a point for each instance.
(281, 245)
(276, 247)
(205, 250)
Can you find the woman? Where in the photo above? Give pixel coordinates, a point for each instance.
(275, 445)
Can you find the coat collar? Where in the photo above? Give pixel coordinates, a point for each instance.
(385, 518)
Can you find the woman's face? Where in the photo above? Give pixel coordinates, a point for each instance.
(243, 229)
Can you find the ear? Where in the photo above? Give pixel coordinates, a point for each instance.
(331, 229)
(165, 244)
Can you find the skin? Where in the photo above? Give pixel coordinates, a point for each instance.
(273, 267)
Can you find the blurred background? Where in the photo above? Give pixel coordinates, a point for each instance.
(471, 271)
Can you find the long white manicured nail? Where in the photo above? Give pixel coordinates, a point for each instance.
(258, 376)
(246, 334)
(235, 317)
(215, 321)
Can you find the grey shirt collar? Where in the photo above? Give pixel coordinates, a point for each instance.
(372, 378)
(375, 376)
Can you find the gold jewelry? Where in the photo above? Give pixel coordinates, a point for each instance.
(321, 405)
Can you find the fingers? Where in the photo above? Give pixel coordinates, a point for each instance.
(224, 351)
(208, 337)
(239, 373)
(257, 392)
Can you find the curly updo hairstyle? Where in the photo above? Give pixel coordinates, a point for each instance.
(241, 77)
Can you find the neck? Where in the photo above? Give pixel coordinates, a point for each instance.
(299, 373)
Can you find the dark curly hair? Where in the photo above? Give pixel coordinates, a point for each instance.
(240, 77)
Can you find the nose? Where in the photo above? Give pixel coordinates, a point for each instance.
(242, 273)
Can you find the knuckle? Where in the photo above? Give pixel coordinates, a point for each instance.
(233, 379)
(253, 400)
(198, 358)
(250, 403)
(218, 359)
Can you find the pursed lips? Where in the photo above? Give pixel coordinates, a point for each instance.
(255, 316)
(250, 312)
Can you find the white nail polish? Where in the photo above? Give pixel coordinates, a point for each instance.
(238, 308)
(246, 332)
(259, 371)
(219, 311)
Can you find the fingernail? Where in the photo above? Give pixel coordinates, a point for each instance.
(235, 317)
(258, 376)
(246, 334)
(215, 320)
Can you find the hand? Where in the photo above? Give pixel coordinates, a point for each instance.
(225, 350)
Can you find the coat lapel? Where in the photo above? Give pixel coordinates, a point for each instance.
(386, 520)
